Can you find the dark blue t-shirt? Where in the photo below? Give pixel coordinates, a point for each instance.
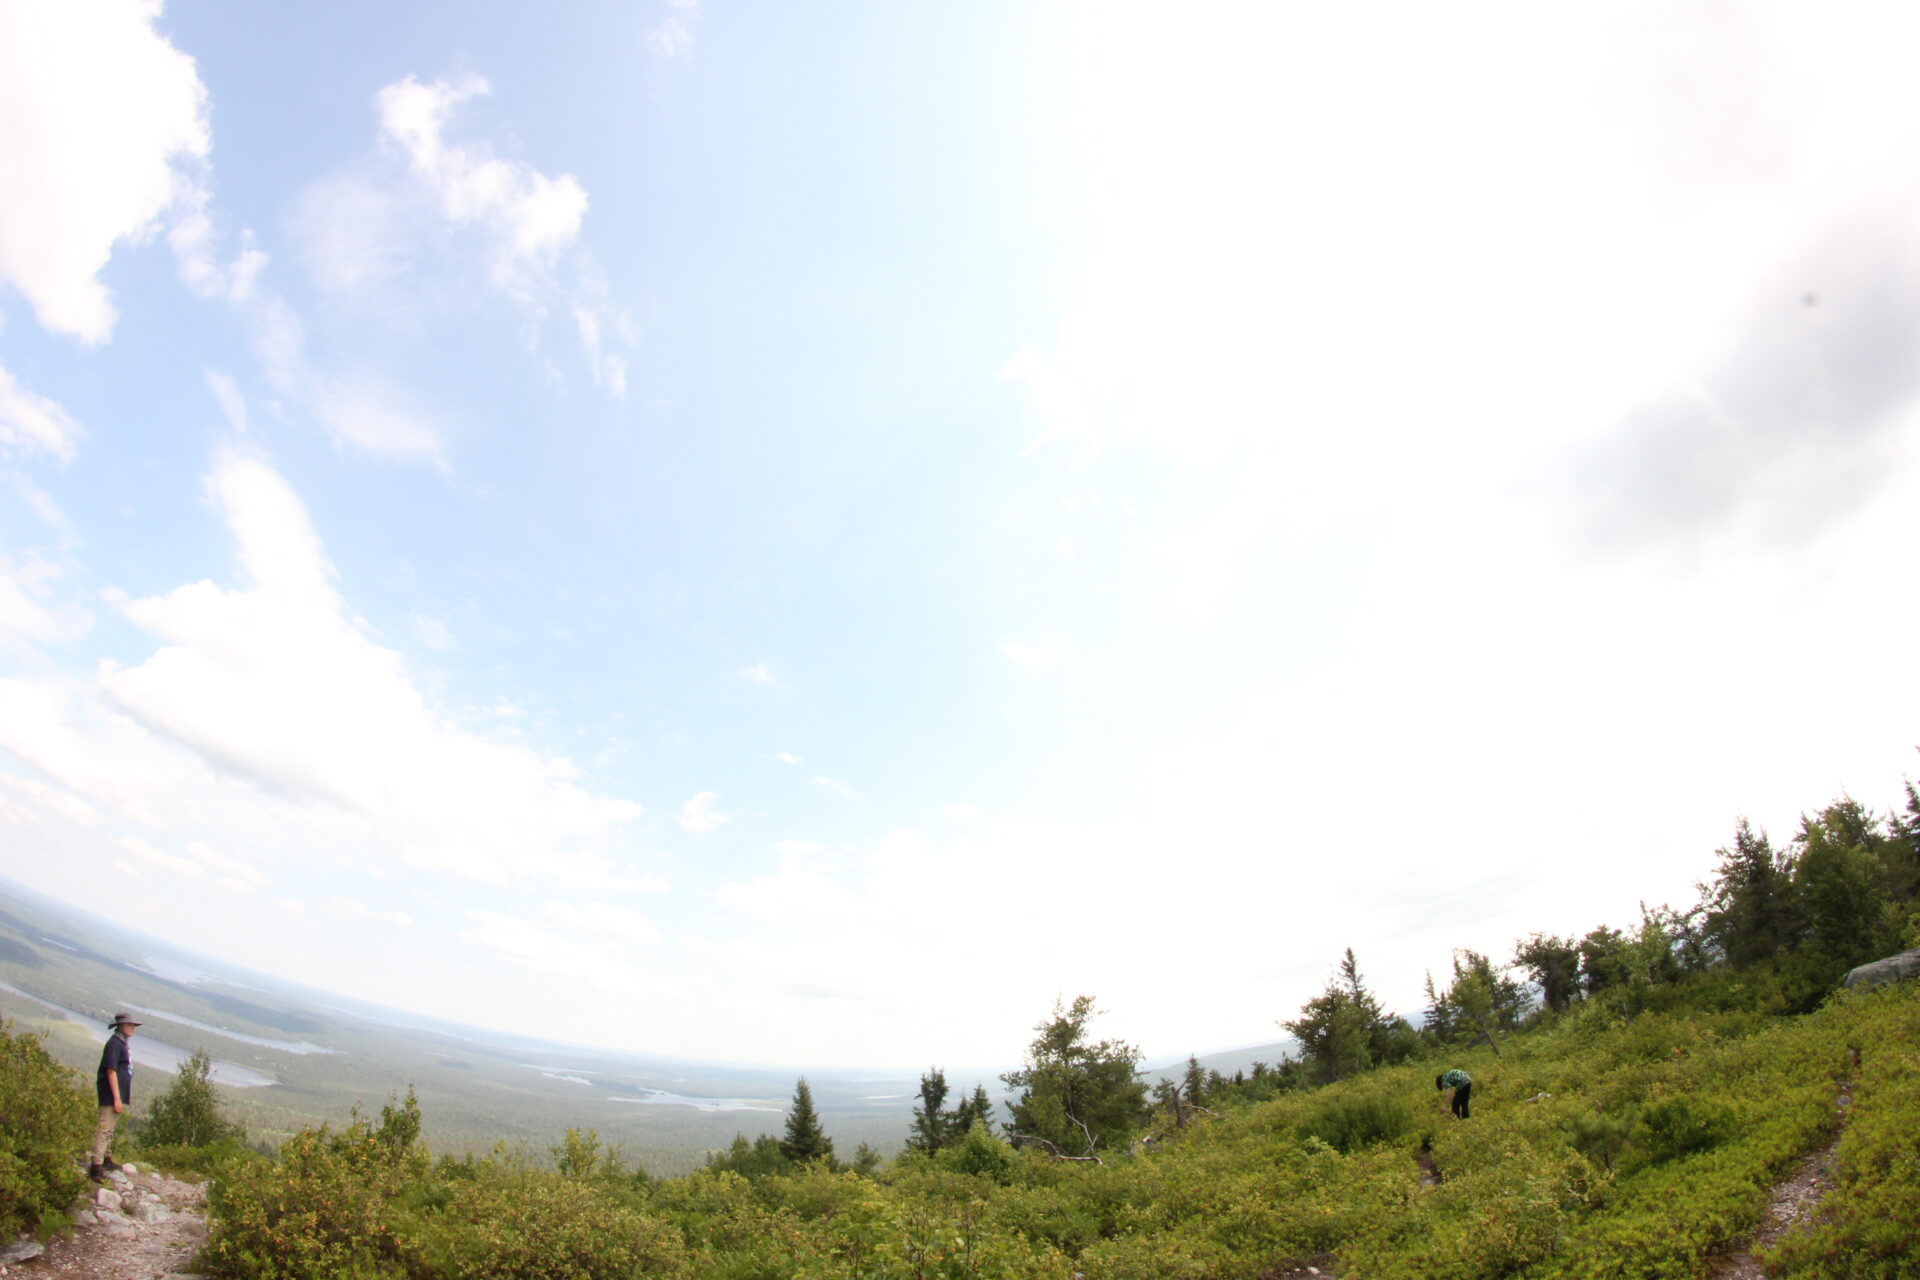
(116, 1060)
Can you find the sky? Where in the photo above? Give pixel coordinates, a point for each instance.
(802, 534)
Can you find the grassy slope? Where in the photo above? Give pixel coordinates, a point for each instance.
(1722, 1106)
(1710, 1109)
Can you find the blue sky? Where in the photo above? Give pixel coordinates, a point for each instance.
(821, 529)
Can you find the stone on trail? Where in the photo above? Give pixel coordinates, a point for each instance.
(20, 1251)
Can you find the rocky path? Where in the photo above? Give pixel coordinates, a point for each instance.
(138, 1226)
(1794, 1203)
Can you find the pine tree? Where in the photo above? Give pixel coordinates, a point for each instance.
(1076, 1096)
(1555, 965)
(1193, 1087)
(805, 1140)
(977, 1109)
(932, 1127)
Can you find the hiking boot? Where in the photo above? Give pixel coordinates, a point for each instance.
(109, 1165)
(95, 1172)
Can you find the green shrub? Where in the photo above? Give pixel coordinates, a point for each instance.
(188, 1113)
(323, 1209)
(535, 1225)
(1681, 1126)
(1349, 1123)
(44, 1122)
(1869, 1225)
(979, 1154)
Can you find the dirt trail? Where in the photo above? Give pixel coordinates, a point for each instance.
(137, 1226)
(1794, 1203)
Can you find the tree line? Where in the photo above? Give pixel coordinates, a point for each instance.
(1779, 926)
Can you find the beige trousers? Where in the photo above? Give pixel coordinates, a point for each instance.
(103, 1133)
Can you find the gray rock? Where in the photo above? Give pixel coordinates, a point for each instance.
(123, 1231)
(20, 1251)
(85, 1218)
(1879, 972)
(150, 1211)
(109, 1199)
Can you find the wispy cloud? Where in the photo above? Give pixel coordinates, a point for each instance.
(698, 815)
(834, 785)
(32, 423)
(759, 673)
(354, 909)
(274, 682)
(1036, 655)
(528, 220)
(671, 35)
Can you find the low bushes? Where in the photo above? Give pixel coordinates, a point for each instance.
(1869, 1225)
(45, 1119)
(1596, 1149)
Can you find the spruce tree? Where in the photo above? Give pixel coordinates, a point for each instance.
(977, 1109)
(805, 1139)
(932, 1127)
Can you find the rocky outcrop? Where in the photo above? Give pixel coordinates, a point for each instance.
(1879, 972)
(137, 1224)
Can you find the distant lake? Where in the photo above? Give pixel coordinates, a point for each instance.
(285, 1046)
(661, 1098)
(157, 1055)
(649, 1097)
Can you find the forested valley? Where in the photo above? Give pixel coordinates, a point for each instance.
(1636, 1093)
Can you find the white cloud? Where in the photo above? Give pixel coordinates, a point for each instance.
(354, 909)
(1039, 655)
(527, 216)
(594, 956)
(601, 920)
(33, 423)
(697, 814)
(68, 806)
(196, 247)
(236, 872)
(96, 109)
(166, 861)
(795, 848)
(432, 632)
(758, 673)
(273, 682)
(356, 235)
(786, 757)
(834, 785)
(233, 405)
(371, 414)
(669, 37)
(28, 614)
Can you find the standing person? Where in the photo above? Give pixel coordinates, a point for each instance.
(114, 1085)
(1461, 1084)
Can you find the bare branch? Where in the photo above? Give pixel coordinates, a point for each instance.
(1054, 1150)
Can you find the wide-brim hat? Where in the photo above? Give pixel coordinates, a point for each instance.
(123, 1019)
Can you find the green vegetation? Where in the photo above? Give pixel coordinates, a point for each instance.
(1633, 1108)
(45, 1120)
(188, 1113)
